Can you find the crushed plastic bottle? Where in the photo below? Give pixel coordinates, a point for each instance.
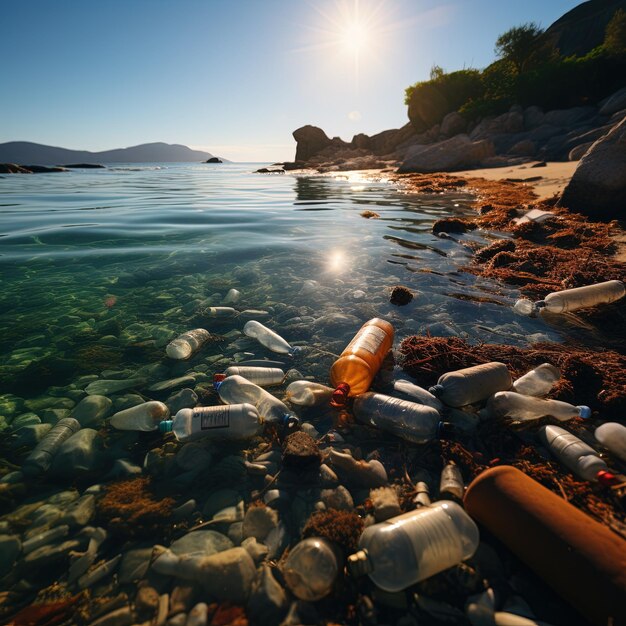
(451, 484)
(268, 338)
(230, 422)
(142, 417)
(613, 437)
(575, 454)
(538, 381)
(262, 376)
(574, 299)
(417, 394)
(352, 373)
(311, 569)
(186, 344)
(237, 390)
(412, 547)
(408, 420)
(472, 384)
(307, 393)
(40, 459)
(524, 408)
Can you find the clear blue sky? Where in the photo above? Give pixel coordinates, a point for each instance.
(234, 77)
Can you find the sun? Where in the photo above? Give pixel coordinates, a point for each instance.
(354, 37)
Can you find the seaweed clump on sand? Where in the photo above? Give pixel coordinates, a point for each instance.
(400, 295)
(133, 508)
(343, 528)
(452, 225)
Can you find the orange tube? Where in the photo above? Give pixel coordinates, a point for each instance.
(581, 559)
(352, 373)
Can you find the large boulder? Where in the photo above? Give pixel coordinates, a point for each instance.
(615, 103)
(310, 140)
(511, 122)
(453, 124)
(454, 154)
(598, 186)
(12, 168)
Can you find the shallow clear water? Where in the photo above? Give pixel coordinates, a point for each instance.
(100, 268)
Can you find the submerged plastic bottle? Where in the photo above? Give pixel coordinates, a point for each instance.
(311, 569)
(613, 437)
(220, 311)
(232, 296)
(451, 483)
(262, 376)
(268, 338)
(237, 390)
(575, 454)
(411, 421)
(524, 408)
(472, 384)
(574, 299)
(231, 422)
(352, 373)
(417, 394)
(538, 381)
(186, 344)
(40, 459)
(407, 549)
(308, 393)
(143, 417)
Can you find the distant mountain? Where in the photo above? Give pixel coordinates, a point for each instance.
(26, 152)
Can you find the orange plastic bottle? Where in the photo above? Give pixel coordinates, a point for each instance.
(352, 373)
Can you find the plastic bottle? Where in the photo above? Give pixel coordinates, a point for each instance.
(613, 437)
(237, 390)
(574, 299)
(143, 417)
(186, 344)
(268, 338)
(40, 459)
(451, 484)
(411, 421)
(220, 311)
(262, 376)
(422, 495)
(417, 394)
(232, 296)
(472, 384)
(407, 549)
(575, 454)
(352, 373)
(538, 381)
(231, 422)
(524, 408)
(308, 393)
(311, 569)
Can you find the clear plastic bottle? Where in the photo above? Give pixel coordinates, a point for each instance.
(237, 390)
(231, 422)
(472, 384)
(451, 483)
(417, 393)
(411, 421)
(186, 344)
(308, 393)
(268, 338)
(220, 311)
(311, 569)
(143, 417)
(524, 408)
(613, 437)
(232, 296)
(574, 299)
(40, 459)
(352, 373)
(412, 547)
(575, 454)
(262, 376)
(538, 381)
(422, 495)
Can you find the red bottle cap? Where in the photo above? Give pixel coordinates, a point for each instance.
(607, 479)
(218, 378)
(340, 395)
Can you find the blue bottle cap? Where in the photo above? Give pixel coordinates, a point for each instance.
(289, 420)
(584, 411)
(436, 390)
(295, 351)
(165, 426)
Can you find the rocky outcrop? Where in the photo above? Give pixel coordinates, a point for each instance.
(311, 140)
(454, 154)
(214, 160)
(598, 186)
(12, 168)
(84, 166)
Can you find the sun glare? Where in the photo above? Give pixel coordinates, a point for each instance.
(354, 37)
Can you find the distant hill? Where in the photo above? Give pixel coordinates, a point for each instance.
(26, 152)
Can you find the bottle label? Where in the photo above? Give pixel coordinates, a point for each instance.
(217, 417)
(369, 339)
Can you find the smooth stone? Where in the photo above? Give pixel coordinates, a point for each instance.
(181, 599)
(268, 601)
(123, 468)
(80, 453)
(180, 619)
(184, 399)
(147, 601)
(12, 478)
(119, 617)
(360, 473)
(220, 500)
(92, 410)
(10, 404)
(127, 401)
(339, 499)
(199, 615)
(45, 556)
(134, 565)
(52, 416)
(30, 436)
(229, 575)
(385, 502)
(235, 533)
(300, 451)
(259, 521)
(25, 419)
(256, 550)
(184, 511)
(10, 549)
(201, 543)
(109, 387)
(193, 456)
(80, 512)
(46, 402)
(172, 383)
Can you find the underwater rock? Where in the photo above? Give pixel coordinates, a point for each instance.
(30, 435)
(257, 550)
(201, 543)
(400, 295)
(300, 451)
(259, 521)
(386, 503)
(134, 565)
(184, 399)
(339, 498)
(91, 410)
(223, 500)
(79, 454)
(268, 601)
(10, 548)
(110, 387)
(359, 473)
